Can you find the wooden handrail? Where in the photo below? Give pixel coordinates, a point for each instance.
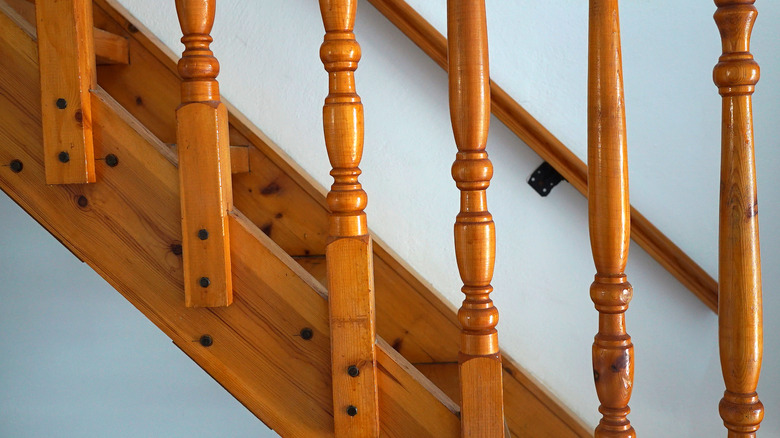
(479, 359)
(740, 318)
(608, 214)
(550, 149)
(349, 251)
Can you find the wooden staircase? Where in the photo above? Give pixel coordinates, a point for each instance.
(271, 347)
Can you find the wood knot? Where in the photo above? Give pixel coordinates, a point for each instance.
(270, 189)
(752, 210)
(620, 363)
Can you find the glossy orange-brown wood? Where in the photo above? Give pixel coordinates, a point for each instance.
(410, 314)
(349, 254)
(67, 66)
(481, 390)
(257, 353)
(609, 220)
(739, 267)
(291, 208)
(552, 150)
(204, 163)
(110, 48)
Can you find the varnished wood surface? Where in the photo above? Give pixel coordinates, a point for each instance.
(481, 388)
(239, 158)
(67, 62)
(740, 319)
(349, 253)
(287, 204)
(258, 353)
(110, 48)
(550, 149)
(609, 220)
(205, 185)
(25, 8)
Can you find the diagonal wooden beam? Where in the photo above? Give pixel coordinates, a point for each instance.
(110, 48)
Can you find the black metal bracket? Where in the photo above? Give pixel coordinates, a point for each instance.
(544, 178)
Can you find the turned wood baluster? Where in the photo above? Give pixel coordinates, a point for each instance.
(739, 304)
(609, 219)
(349, 248)
(482, 407)
(204, 163)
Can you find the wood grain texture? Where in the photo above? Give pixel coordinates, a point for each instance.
(25, 8)
(608, 218)
(205, 184)
(110, 48)
(282, 200)
(67, 63)
(481, 388)
(552, 150)
(239, 158)
(740, 318)
(133, 216)
(348, 252)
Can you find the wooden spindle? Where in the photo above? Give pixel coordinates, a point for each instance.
(349, 248)
(66, 56)
(609, 220)
(204, 163)
(739, 268)
(482, 406)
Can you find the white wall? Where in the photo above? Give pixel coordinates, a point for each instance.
(270, 70)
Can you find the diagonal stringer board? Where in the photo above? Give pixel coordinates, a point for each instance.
(125, 226)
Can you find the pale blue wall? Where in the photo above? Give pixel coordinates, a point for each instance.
(77, 360)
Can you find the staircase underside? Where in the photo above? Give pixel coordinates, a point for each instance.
(130, 228)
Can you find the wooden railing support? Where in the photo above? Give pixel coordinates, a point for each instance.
(110, 48)
(349, 254)
(550, 149)
(739, 268)
(204, 163)
(67, 65)
(481, 388)
(609, 220)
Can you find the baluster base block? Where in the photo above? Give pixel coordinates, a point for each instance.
(353, 336)
(482, 396)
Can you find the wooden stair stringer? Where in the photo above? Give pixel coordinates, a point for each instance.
(280, 198)
(289, 205)
(127, 227)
